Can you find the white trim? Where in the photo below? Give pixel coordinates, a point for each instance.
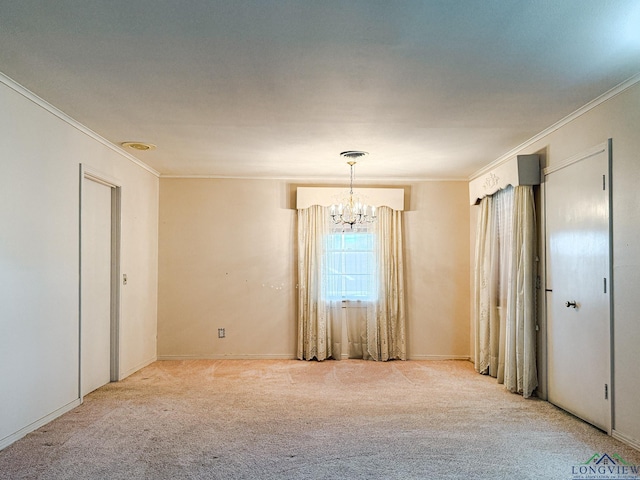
(440, 357)
(541, 305)
(276, 356)
(596, 150)
(312, 180)
(97, 176)
(12, 84)
(14, 437)
(139, 366)
(561, 123)
(116, 276)
(161, 358)
(94, 175)
(627, 440)
(232, 356)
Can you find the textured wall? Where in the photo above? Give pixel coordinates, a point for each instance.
(228, 260)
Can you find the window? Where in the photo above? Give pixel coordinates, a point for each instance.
(349, 268)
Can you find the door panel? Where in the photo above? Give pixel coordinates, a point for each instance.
(577, 246)
(95, 328)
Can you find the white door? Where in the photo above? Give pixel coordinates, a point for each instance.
(577, 287)
(95, 312)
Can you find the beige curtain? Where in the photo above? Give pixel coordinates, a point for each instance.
(386, 337)
(505, 289)
(355, 315)
(521, 373)
(380, 332)
(486, 308)
(319, 321)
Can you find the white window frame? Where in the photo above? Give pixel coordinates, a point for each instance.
(340, 292)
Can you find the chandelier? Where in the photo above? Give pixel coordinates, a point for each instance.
(352, 210)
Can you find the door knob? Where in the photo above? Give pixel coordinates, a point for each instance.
(571, 304)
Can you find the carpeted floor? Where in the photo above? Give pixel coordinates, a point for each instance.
(287, 419)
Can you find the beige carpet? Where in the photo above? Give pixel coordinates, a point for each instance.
(236, 419)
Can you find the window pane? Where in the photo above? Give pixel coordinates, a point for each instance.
(334, 262)
(350, 241)
(349, 266)
(358, 262)
(334, 242)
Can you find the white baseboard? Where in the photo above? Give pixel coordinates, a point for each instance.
(132, 370)
(440, 357)
(285, 356)
(624, 439)
(8, 440)
(262, 356)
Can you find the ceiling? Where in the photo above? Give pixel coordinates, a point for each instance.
(278, 88)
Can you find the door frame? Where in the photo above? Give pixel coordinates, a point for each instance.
(605, 147)
(91, 174)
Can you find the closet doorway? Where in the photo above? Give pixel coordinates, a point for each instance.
(99, 280)
(578, 286)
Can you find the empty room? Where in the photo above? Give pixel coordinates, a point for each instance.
(295, 239)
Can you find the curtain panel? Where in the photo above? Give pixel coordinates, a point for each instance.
(505, 272)
(380, 334)
(316, 318)
(386, 337)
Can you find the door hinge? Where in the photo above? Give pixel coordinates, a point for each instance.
(604, 182)
(606, 391)
(605, 284)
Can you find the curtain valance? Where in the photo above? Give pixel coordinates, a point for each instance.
(520, 170)
(326, 196)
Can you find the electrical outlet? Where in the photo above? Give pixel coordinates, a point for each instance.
(221, 333)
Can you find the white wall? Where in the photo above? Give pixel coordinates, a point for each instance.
(228, 260)
(617, 118)
(40, 154)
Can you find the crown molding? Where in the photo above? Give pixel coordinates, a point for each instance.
(561, 123)
(29, 95)
(340, 179)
